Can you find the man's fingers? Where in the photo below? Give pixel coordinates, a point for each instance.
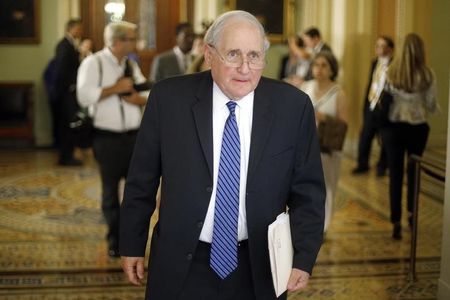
(298, 280)
(140, 269)
(133, 268)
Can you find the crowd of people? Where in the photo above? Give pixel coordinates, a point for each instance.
(264, 170)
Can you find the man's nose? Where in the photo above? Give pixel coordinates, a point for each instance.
(245, 66)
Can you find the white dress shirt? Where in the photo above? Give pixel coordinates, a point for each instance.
(244, 117)
(181, 58)
(107, 112)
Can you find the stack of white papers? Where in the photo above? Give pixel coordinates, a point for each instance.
(281, 252)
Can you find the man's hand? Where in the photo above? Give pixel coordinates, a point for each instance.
(124, 85)
(298, 280)
(134, 269)
(135, 98)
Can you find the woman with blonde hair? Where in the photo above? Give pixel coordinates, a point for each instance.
(413, 88)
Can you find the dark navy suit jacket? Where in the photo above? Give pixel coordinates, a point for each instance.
(175, 142)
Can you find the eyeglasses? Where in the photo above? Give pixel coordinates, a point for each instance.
(128, 39)
(235, 58)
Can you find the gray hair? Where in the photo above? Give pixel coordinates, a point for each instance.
(117, 30)
(214, 32)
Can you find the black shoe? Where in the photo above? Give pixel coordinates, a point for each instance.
(381, 172)
(360, 170)
(397, 231)
(71, 162)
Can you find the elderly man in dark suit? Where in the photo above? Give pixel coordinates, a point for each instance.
(176, 60)
(66, 66)
(233, 150)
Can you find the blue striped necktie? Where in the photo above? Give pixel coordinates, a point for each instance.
(224, 245)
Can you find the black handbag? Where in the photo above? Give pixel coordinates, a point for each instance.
(82, 127)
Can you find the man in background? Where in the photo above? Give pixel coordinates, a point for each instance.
(176, 60)
(105, 83)
(314, 44)
(384, 49)
(67, 60)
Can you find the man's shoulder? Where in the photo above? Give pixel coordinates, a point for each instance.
(181, 83)
(165, 55)
(279, 87)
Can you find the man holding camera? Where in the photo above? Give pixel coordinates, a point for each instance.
(106, 83)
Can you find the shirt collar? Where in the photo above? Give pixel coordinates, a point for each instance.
(384, 60)
(113, 57)
(221, 100)
(318, 47)
(178, 52)
(72, 40)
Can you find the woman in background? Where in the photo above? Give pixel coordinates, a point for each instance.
(329, 100)
(412, 84)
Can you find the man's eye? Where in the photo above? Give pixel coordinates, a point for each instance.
(253, 56)
(233, 54)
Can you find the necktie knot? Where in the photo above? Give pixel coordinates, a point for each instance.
(231, 106)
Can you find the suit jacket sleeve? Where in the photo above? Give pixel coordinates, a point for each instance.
(142, 184)
(64, 70)
(155, 73)
(307, 196)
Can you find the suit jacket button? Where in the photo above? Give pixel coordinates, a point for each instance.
(209, 189)
(200, 224)
(189, 256)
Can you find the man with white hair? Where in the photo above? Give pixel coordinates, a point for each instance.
(105, 83)
(233, 150)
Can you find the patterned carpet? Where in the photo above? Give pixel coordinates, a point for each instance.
(52, 245)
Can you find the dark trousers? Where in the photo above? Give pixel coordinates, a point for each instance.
(400, 138)
(65, 109)
(203, 283)
(113, 153)
(369, 131)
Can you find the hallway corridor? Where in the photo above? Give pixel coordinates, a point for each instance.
(52, 245)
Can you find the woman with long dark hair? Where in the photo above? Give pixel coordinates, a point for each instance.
(413, 88)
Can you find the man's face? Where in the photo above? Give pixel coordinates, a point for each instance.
(237, 37)
(127, 44)
(185, 39)
(76, 31)
(382, 49)
(310, 42)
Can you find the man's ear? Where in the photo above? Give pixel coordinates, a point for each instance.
(207, 54)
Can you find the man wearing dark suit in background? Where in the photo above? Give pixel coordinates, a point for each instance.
(314, 44)
(67, 61)
(384, 49)
(176, 60)
(233, 150)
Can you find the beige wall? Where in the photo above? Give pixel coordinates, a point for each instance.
(440, 60)
(444, 279)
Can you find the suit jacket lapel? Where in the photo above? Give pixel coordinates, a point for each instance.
(262, 123)
(202, 111)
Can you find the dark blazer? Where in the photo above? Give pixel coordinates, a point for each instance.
(175, 141)
(164, 66)
(283, 68)
(66, 67)
(369, 83)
